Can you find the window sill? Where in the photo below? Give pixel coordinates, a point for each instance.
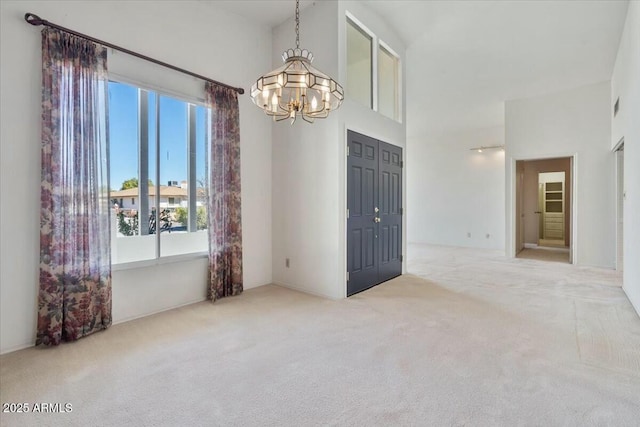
(158, 261)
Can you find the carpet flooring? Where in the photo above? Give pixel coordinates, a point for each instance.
(546, 254)
(470, 338)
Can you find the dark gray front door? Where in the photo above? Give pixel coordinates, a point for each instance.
(374, 201)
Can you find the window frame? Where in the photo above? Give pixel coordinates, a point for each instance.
(359, 26)
(192, 103)
(398, 107)
(376, 44)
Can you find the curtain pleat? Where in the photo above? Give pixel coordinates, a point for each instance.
(224, 201)
(75, 261)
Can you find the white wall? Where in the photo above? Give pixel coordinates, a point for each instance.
(625, 84)
(309, 161)
(575, 122)
(305, 171)
(453, 191)
(194, 35)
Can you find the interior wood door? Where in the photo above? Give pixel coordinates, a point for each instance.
(374, 203)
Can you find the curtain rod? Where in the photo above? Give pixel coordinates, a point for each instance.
(35, 20)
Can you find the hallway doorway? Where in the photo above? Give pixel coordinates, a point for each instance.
(544, 204)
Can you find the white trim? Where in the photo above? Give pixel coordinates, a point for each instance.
(635, 307)
(17, 348)
(343, 213)
(617, 152)
(360, 24)
(151, 313)
(162, 91)
(305, 291)
(158, 261)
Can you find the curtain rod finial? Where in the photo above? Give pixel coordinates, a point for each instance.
(34, 19)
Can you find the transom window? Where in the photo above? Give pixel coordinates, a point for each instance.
(376, 87)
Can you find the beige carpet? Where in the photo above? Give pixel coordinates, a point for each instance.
(480, 340)
(546, 254)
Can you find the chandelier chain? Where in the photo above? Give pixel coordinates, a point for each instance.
(298, 24)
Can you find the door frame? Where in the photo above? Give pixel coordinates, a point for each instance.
(342, 207)
(511, 243)
(620, 193)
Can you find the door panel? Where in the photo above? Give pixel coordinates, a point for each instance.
(374, 200)
(391, 213)
(362, 250)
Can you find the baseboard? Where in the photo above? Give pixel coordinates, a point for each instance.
(17, 348)
(635, 307)
(305, 291)
(140, 316)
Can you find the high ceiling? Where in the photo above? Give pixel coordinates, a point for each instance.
(266, 12)
(465, 58)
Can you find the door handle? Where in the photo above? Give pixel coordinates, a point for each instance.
(376, 220)
(537, 212)
(376, 210)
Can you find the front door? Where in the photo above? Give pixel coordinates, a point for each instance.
(374, 203)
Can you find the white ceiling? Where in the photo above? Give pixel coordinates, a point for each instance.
(266, 12)
(465, 58)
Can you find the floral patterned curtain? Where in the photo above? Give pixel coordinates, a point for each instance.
(225, 225)
(75, 260)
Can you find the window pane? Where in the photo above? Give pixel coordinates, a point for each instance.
(150, 208)
(359, 65)
(175, 212)
(201, 168)
(388, 84)
(124, 128)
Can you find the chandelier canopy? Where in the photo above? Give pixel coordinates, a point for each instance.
(296, 88)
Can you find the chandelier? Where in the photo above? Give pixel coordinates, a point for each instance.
(296, 88)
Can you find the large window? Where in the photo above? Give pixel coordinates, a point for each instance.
(377, 87)
(158, 151)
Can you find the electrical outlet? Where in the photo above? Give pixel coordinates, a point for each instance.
(286, 262)
(468, 234)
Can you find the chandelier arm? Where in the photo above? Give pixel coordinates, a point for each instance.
(312, 112)
(320, 115)
(278, 113)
